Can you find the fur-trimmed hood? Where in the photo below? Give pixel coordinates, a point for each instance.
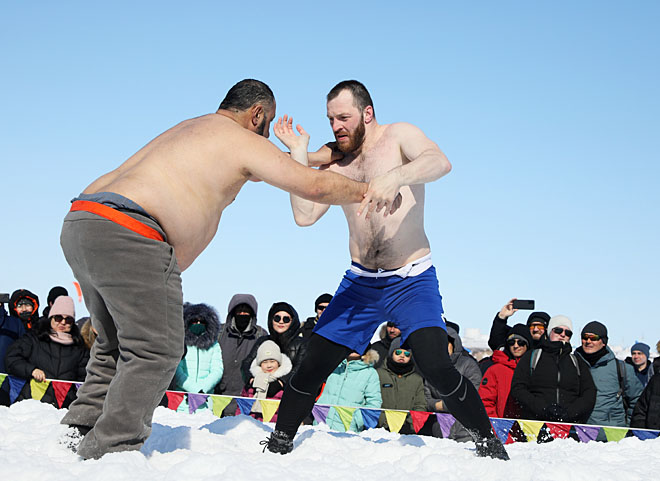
(370, 357)
(283, 370)
(209, 316)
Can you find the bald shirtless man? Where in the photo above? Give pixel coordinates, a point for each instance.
(391, 277)
(131, 233)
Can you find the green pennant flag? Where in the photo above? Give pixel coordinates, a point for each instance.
(615, 434)
(219, 404)
(269, 408)
(2, 379)
(38, 389)
(395, 420)
(346, 415)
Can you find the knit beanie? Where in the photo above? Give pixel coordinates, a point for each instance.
(556, 321)
(268, 350)
(540, 316)
(322, 299)
(56, 292)
(640, 346)
(520, 332)
(598, 328)
(63, 306)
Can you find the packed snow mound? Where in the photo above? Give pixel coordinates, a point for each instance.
(203, 447)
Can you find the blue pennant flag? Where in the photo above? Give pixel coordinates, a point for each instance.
(370, 417)
(502, 428)
(15, 387)
(640, 434)
(245, 405)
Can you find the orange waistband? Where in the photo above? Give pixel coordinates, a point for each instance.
(117, 217)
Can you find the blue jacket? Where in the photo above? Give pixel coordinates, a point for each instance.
(609, 410)
(199, 371)
(11, 328)
(352, 384)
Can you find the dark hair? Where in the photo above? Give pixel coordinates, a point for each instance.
(247, 93)
(43, 330)
(361, 97)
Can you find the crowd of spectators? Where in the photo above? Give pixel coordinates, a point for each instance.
(533, 372)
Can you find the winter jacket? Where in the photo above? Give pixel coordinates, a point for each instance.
(16, 296)
(401, 391)
(645, 374)
(647, 410)
(499, 331)
(307, 327)
(352, 384)
(382, 347)
(275, 386)
(236, 346)
(201, 368)
(469, 368)
(554, 391)
(289, 342)
(57, 361)
(609, 410)
(11, 328)
(495, 387)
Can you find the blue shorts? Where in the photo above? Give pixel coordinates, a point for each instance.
(361, 304)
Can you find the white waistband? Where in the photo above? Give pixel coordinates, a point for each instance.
(412, 269)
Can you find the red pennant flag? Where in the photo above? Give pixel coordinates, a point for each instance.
(61, 389)
(558, 431)
(174, 399)
(419, 419)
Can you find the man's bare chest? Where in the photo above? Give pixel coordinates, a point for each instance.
(370, 164)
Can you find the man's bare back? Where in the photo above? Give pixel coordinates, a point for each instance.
(186, 177)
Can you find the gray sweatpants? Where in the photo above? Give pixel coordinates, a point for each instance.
(132, 290)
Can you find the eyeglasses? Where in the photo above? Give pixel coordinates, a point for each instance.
(281, 319)
(24, 303)
(516, 342)
(537, 326)
(67, 319)
(561, 330)
(398, 352)
(590, 337)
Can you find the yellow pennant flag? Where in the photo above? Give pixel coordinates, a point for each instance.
(615, 434)
(219, 404)
(269, 408)
(346, 416)
(395, 420)
(531, 429)
(38, 389)
(2, 378)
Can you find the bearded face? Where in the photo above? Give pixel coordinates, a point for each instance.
(351, 140)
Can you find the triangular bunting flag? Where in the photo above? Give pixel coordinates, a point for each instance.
(586, 433)
(61, 389)
(395, 420)
(2, 379)
(615, 434)
(346, 415)
(558, 431)
(419, 419)
(642, 434)
(446, 421)
(269, 408)
(219, 404)
(78, 384)
(320, 413)
(370, 417)
(38, 389)
(531, 429)
(502, 428)
(15, 387)
(245, 405)
(195, 401)
(174, 399)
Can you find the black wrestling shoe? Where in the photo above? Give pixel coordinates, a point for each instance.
(278, 442)
(492, 448)
(73, 436)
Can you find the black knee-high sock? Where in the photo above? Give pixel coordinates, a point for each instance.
(429, 347)
(322, 357)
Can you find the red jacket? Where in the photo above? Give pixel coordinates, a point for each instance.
(496, 385)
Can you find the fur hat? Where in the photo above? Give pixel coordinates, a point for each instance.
(268, 350)
(598, 328)
(642, 347)
(559, 320)
(63, 306)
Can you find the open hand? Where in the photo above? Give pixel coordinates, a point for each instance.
(383, 193)
(283, 130)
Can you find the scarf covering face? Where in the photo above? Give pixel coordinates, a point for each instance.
(64, 338)
(399, 368)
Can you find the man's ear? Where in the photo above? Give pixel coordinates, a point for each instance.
(368, 114)
(257, 113)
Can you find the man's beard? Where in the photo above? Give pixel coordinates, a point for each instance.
(261, 128)
(355, 139)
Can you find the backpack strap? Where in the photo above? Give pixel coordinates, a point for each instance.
(575, 363)
(622, 390)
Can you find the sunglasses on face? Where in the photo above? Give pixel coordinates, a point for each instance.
(281, 319)
(321, 308)
(516, 342)
(535, 326)
(67, 319)
(560, 330)
(398, 352)
(590, 337)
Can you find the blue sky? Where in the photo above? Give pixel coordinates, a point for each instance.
(548, 112)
